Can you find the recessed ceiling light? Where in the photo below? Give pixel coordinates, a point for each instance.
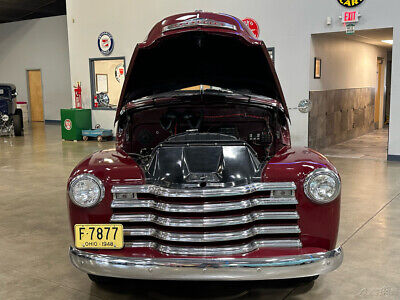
(388, 42)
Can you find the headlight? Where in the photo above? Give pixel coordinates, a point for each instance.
(86, 190)
(322, 186)
(5, 118)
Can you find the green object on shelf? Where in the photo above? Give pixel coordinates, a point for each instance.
(73, 121)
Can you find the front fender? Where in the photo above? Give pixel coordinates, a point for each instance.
(319, 223)
(111, 167)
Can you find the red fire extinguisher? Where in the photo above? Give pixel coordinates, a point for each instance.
(78, 96)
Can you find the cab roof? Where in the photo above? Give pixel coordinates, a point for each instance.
(9, 85)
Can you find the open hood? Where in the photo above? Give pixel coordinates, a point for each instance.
(200, 48)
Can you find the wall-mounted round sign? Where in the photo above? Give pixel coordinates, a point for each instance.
(105, 43)
(252, 24)
(350, 3)
(68, 124)
(120, 73)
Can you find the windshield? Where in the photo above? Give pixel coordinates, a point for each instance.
(3, 93)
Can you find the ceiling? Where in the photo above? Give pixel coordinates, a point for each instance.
(17, 10)
(372, 36)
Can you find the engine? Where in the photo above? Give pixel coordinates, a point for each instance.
(158, 133)
(193, 159)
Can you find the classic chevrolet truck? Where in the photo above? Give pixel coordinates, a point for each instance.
(203, 183)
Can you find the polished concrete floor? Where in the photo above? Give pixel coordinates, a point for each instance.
(373, 145)
(35, 234)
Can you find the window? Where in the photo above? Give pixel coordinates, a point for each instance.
(107, 78)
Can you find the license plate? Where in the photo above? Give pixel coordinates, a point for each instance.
(99, 236)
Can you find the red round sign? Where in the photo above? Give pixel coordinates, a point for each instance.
(252, 24)
(68, 124)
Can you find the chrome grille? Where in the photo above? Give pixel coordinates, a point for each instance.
(211, 237)
(202, 207)
(206, 222)
(217, 250)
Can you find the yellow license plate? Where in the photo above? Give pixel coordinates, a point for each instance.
(99, 236)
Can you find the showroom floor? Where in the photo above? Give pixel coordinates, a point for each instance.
(373, 145)
(35, 234)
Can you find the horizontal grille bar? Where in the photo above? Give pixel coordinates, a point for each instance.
(205, 222)
(204, 192)
(217, 250)
(204, 207)
(211, 237)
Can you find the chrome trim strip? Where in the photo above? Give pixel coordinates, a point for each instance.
(204, 207)
(213, 236)
(217, 250)
(204, 192)
(205, 222)
(203, 22)
(226, 268)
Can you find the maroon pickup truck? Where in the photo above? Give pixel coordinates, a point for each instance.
(203, 183)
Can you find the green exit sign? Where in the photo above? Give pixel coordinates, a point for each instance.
(350, 29)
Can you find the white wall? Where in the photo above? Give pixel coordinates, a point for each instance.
(345, 63)
(38, 44)
(286, 25)
(129, 21)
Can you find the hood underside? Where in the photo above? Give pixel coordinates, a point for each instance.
(227, 58)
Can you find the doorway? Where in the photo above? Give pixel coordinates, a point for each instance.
(351, 99)
(379, 103)
(107, 75)
(35, 93)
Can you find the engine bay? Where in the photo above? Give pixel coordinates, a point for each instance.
(262, 130)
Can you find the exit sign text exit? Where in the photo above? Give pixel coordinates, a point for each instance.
(350, 17)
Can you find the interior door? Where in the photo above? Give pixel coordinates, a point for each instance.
(35, 95)
(378, 115)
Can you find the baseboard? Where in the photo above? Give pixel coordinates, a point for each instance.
(52, 122)
(393, 157)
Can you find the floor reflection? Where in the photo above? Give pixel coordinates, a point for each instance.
(148, 289)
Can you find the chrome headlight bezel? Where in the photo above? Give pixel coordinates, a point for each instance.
(314, 174)
(91, 177)
(5, 118)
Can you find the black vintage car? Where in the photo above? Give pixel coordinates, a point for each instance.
(11, 121)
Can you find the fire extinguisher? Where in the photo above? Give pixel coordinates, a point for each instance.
(78, 96)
